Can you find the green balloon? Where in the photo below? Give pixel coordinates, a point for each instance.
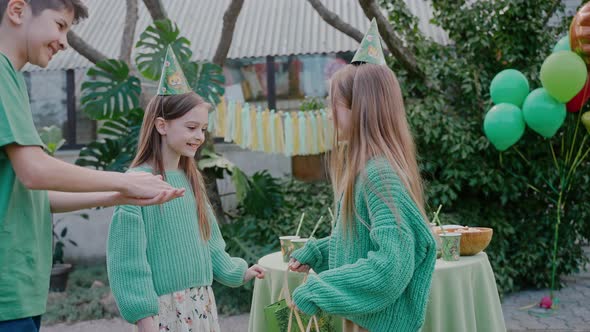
(542, 113)
(562, 45)
(563, 74)
(509, 86)
(503, 125)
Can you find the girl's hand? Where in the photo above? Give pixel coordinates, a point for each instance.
(144, 185)
(295, 265)
(147, 324)
(254, 271)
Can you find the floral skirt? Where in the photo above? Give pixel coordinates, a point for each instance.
(189, 310)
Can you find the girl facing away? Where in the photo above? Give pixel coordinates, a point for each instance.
(163, 259)
(375, 269)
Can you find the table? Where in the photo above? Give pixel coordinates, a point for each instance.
(463, 296)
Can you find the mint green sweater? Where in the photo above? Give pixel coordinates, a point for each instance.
(380, 279)
(158, 250)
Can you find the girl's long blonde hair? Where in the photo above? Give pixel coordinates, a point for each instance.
(378, 128)
(150, 148)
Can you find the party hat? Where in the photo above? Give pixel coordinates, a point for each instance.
(370, 50)
(172, 81)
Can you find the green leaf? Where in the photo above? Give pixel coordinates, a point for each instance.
(52, 138)
(248, 251)
(152, 46)
(125, 128)
(213, 160)
(110, 92)
(107, 155)
(240, 181)
(64, 231)
(210, 159)
(263, 195)
(206, 79)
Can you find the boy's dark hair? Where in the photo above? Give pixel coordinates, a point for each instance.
(80, 10)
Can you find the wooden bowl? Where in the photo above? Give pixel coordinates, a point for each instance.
(473, 239)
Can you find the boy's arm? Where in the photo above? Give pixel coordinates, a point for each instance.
(65, 202)
(39, 171)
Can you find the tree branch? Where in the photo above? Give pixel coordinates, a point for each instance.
(129, 32)
(394, 43)
(156, 9)
(227, 33)
(334, 20)
(85, 49)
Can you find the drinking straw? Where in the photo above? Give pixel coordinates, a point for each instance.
(437, 220)
(300, 222)
(332, 216)
(316, 227)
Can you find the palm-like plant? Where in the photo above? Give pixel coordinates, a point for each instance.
(111, 93)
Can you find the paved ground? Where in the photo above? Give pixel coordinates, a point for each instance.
(237, 323)
(572, 315)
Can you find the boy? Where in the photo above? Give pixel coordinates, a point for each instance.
(33, 184)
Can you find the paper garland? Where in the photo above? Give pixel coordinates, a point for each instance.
(292, 133)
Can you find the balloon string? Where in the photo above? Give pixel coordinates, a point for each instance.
(571, 152)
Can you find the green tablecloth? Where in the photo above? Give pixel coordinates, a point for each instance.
(463, 297)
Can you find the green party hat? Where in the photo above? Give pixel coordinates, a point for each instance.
(172, 81)
(370, 50)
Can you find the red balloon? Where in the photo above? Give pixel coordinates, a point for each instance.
(580, 33)
(580, 99)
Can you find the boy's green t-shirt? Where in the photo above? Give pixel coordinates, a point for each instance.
(25, 217)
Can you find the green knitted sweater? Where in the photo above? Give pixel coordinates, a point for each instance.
(157, 250)
(379, 275)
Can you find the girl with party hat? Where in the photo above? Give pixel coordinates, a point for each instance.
(163, 259)
(375, 269)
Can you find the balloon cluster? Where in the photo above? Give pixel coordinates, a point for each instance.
(566, 86)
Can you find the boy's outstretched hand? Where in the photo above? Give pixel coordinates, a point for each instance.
(254, 271)
(163, 197)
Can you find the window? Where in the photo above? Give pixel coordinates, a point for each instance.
(54, 97)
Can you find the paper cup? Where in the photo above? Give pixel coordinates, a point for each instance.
(287, 246)
(298, 243)
(451, 246)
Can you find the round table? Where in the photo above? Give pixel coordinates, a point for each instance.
(463, 296)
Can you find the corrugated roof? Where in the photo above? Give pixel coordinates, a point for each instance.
(264, 27)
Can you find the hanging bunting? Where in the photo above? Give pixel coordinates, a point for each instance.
(320, 132)
(290, 133)
(259, 131)
(279, 132)
(312, 127)
(237, 134)
(273, 130)
(246, 127)
(253, 142)
(230, 118)
(295, 132)
(266, 124)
